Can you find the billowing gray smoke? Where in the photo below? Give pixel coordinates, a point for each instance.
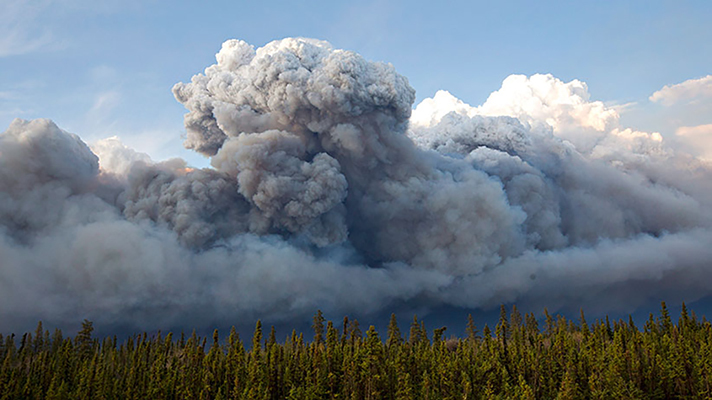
(325, 194)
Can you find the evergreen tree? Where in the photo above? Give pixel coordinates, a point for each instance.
(318, 327)
(83, 340)
(665, 320)
(394, 335)
(613, 360)
(471, 329)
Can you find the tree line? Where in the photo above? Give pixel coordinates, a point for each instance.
(562, 359)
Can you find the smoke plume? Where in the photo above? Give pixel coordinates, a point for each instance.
(325, 192)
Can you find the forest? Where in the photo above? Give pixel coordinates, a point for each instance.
(521, 358)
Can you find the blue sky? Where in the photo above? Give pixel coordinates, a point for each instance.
(104, 70)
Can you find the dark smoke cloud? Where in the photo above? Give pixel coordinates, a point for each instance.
(325, 193)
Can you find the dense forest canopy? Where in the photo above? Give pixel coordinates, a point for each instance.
(518, 358)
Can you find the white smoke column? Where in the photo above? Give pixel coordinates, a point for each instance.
(292, 193)
(605, 191)
(298, 117)
(201, 206)
(620, 208)
(324, 193)
(538, 101)
(67, 252)
(41, 167)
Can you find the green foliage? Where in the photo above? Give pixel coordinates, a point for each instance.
(566, 360)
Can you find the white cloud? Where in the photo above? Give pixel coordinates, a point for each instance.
(431, 110)
(691, 89)
(546, 101)
(563, 105)
(694, 131)
(623, 145)
(698, 138)
(534, 100)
